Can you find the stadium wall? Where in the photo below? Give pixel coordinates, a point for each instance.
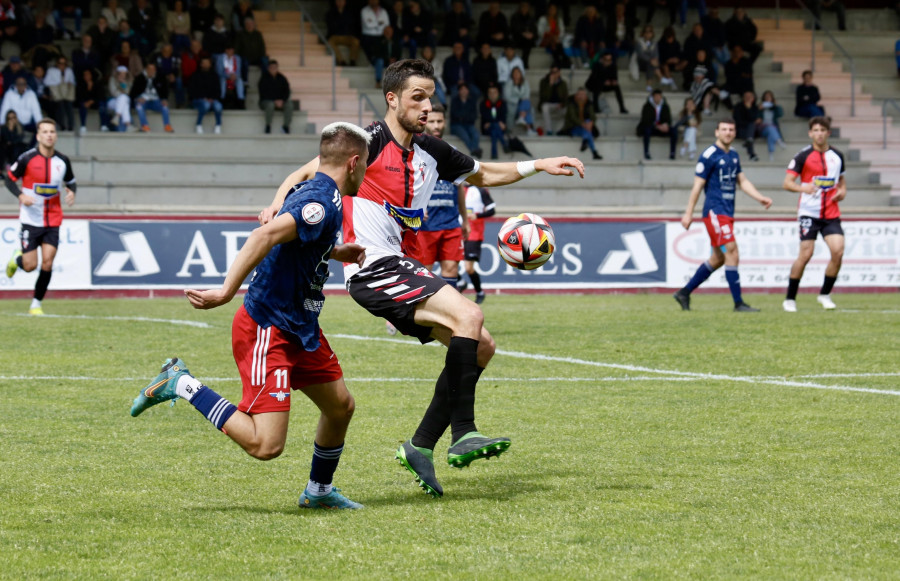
(162, 255)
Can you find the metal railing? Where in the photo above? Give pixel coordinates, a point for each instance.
(884, 119)
(305, 17)
(817, 24)
(375, 114)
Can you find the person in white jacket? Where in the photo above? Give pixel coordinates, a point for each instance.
(517, 94)
(60, 81)
(24, 102)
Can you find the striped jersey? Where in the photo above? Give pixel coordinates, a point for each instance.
(823, 169)
(44, 180)
(396, 190)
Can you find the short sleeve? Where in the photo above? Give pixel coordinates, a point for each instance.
(310, 215)
(453, 165)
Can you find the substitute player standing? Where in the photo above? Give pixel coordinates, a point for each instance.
(717, 173)
(479, 206)
(403, 168)
(820, 168)
(277, 343)
(46, 174)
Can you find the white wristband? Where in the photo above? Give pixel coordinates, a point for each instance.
(526, 168)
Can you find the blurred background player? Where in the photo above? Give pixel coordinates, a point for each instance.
(820, 168)
(717, 173)
(479, 206)
(277, 343)
(45, 175)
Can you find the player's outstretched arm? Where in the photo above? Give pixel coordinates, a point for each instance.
(307, 172)
(688, 218)
(501, 174)
(260, 242)
(749, 189)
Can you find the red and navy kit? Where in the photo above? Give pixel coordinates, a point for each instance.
(44, 179)
(720, 170)
(822, 169)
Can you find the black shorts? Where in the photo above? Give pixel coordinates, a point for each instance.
(31, 237)
(810, 227)
(473, 250)
(390, 289)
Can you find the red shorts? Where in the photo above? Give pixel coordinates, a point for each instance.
(271, 365)
(720, 229)
(430, 247)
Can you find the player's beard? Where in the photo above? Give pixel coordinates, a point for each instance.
(407, 125)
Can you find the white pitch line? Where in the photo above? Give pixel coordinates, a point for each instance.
(199, 324)
(642, 369)
(355, 379)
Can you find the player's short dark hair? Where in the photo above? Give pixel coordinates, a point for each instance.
(821, 120)
(396, 75)
(806, 72)
(340, 140)
(438, 108)
(46, 121)
(726, 121)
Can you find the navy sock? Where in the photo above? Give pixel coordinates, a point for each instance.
(324, 463)
(828, 285)
(462, 375)
(19, 261)
(793, 287)
(216, 408)
(699, 277)
(476, 281)
(734, 283)
(43, 281)
(451, 280)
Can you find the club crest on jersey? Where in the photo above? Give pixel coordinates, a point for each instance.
(313, 213)
(280, 395)
(407, 218)
(46, 190)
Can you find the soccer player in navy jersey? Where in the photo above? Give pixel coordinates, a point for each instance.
(403, 167)
(277, 343)
(718, 173)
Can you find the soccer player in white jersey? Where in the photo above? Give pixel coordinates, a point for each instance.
(403, 167)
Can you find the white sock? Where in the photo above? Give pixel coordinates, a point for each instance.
(35, 304)
(317, 489)
(187, 387)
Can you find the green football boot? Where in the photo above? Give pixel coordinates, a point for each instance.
(420, 462)
(12, 266)
(473, 446)
(162, 388)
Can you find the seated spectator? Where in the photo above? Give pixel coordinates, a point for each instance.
(24, 101)
(770, 113)
(143, 17)
(580, 121)
(715, 35)
(647, 53)
(551, 32)
(205, 91)
(168, 67)
(747, 121)
(217, 37)
(808, 98)
(104, 39)
(374, 20)
(387, 51)
(240, 12)
(741, 31)
(506, 63)
(89, 95)
(203, 15)
(37, 84)
(150, 92)
(484, 69)
(250, 45)
(620, 32)
(463, 119)
(670, 59)
(228, 68)
(13, 71)
(275, 95)
(440, 90)
(693, 44)
(126, 57)
(113, 14)
(605, 77)
(701, 9)
(738, 73)
(523, 30)
(689, 119)
(457, 26)
(669, 6)
(656, 120)
(554, 93)
(60, 82)
(418, 30)
(493, 27)
(9, 23)
(589, 35)
(493, 119)
(832, 6)
(457, 69)
(125, 34)
(517, 94)
(67, 9)
(178, 25)
(703, 91)
(190, 61)
(119, 98)
(85, 57)
(13, 139)
(343, 31)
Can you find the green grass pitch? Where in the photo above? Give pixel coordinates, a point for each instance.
(647, 442)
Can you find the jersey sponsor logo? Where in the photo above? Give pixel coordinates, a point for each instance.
(313, 213)
(46, 190)
(406, 217)
(313, 305)
(394, 169)
(824, 182)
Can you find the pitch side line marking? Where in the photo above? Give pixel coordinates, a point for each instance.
(198, 324)
(357, 379)
(641, 369)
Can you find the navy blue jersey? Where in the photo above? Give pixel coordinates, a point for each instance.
(443, 208)
(286, 288)
(720, 170)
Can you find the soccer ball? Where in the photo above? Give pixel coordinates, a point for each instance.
(526, 241)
